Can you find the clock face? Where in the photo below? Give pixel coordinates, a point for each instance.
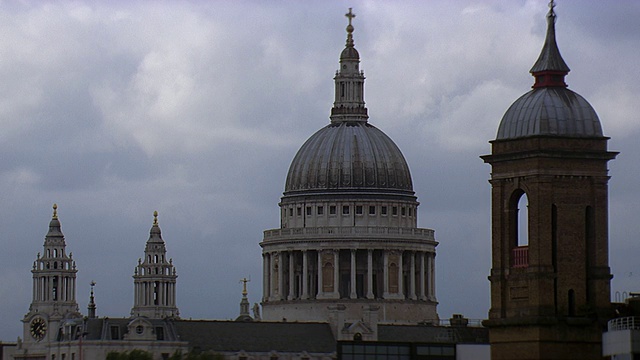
(38, 328)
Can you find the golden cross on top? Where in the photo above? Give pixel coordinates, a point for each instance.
(552, 4)
(350, 15)
(244, 282)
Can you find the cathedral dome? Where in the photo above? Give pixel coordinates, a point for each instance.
(348, 156)
(554, 111)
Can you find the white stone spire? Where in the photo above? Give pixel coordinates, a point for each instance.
(54, 275)
(155, 279)
(349, 81)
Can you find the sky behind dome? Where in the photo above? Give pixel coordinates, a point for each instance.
(195, 109)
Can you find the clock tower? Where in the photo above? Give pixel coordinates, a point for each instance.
(54, 288)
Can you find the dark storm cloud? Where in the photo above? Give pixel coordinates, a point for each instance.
(196, 109)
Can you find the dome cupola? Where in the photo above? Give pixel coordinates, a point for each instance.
(349, 154)
(550, 109)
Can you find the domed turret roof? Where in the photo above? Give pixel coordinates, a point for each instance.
(550, 109)
(349, 154)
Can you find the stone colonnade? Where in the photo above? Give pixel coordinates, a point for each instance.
(149, 293)
(348, 274)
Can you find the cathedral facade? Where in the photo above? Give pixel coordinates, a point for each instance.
(348, 237)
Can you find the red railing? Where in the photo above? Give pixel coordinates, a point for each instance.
(520, 257)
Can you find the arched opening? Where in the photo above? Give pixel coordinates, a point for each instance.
(518, 213)
(523, 220)
(55, 288)
(571, 303)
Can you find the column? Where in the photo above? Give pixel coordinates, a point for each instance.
(292, 276)
(280, 276)
(400, 276)
(433, 276)
(429, 277)
(370, 274)
(412, 276)
(353, 294)
(273, 276)
(305, 275)
(319, 294)
(265, 277)
(385, 273)
(422, 277)
(336, 273)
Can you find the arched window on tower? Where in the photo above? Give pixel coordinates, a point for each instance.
(519, 229)
(571, 303)
(55, 288)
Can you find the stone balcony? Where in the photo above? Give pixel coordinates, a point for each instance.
(350, 232)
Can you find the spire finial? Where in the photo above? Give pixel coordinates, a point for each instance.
(155, 218)
(552, 15)
(550, 69)
(92, 305)
(350, 15)
(244, 282)
(55, 212)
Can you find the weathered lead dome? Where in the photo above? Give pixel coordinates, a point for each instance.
(550, 109)
(348, 156)
(555, 111)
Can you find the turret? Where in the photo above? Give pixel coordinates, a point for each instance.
(155, 279)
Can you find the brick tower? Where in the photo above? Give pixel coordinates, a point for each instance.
(550, 291)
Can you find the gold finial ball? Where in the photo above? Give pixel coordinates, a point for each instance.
(349, 28)
(55, 206)
(155, 218)
(155, 214)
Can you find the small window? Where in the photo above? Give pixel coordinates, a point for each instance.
(115, 333)
(290, 211)
(159, 333)
(345, 210)
(332, 210)
(308, 210)
(299, 211)
(359, 210)
(383, 210)
(394, 211)
(404, 211)
(410, 211)
(139, 329)
(320, 210)
(372, 210)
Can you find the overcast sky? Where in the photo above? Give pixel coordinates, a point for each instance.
(195, 109)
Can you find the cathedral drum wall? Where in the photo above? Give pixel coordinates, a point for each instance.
(391, 312)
